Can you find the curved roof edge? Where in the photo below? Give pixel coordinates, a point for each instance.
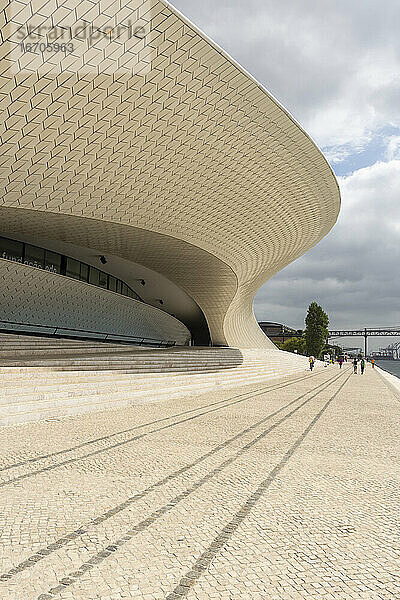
(262, 87)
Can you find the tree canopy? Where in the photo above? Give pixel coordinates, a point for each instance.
(316, 331)
(294, 344)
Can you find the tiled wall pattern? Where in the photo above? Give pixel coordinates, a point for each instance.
(90, 36)
(194, 150)
(29, 295)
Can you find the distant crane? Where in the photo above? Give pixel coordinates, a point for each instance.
(392, 351)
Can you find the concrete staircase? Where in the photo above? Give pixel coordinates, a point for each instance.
(44, 377)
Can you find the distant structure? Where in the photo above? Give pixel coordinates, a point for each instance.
(277, 332)
(392, 352)
(352, 351)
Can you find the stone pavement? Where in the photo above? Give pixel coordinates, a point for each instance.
(288, 490)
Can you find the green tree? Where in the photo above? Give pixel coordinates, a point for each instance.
(333, 350)
(293, 344)
(316, 332)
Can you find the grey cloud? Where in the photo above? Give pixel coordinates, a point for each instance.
(354, 271)
(314, 56)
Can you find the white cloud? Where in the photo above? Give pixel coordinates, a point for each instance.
(334, 65)
(393, 147)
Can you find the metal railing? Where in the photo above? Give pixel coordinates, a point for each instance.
(81, 334)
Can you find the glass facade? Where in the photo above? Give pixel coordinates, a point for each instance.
(73, 268)
(52, 262)
(40, 258)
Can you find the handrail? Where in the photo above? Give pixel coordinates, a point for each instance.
(101, 336)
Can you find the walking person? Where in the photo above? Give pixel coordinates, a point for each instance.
(362, 366)
(311, 360)
(340, 361)
(355, 365)
(373, 363)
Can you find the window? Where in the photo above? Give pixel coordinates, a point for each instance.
(103, 279)
(34, 256)
(94, 276)
(11, 249)
(112, 283)
(84, 272)
(52, 262)
(73, 268)
(64, 265)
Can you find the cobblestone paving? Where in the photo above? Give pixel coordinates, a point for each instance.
(287, 490)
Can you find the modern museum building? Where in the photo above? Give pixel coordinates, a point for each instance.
(149, 185)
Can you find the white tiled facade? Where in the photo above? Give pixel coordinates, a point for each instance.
(37, 297)
(183, 163)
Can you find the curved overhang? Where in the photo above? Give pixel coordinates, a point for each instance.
(188, 167)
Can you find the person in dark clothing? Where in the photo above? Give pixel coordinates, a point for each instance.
(355, 365)
(362, 366)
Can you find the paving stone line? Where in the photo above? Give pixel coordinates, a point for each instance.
(112, 435)
(123, 431)
(100, 556)
(205, 559)
(142, 435)
(57, 544)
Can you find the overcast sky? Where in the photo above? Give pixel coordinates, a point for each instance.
(335, 65)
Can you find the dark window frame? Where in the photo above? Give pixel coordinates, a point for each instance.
(119, 284)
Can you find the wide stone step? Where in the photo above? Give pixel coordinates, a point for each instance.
(57, 353)
(42, 377)
(85, 359)
(55, 394)
(13, 372)
(22, 385)
(122, 360)
(39, 408)
(56, 350)
(80, 380)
